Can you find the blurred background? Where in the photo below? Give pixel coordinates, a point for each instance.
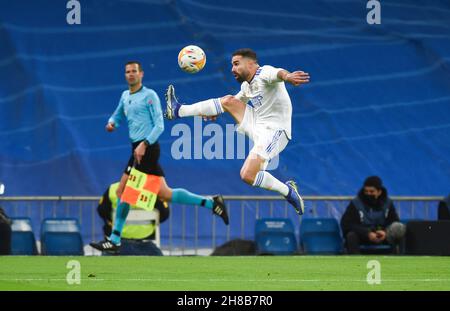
(378, 102)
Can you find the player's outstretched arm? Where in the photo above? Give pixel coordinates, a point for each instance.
(295, 78)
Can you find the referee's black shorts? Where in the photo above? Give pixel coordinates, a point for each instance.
(149, 162)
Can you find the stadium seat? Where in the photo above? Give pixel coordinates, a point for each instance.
(22, 237)
(61, 236)
(320, 236)
(275, 236)
(375, 249)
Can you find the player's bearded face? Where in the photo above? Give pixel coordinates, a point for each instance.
(133, 75)
(239, 68)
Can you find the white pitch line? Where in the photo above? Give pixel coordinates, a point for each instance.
(226, 280)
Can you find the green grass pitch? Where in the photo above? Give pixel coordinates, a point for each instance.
(225, 273)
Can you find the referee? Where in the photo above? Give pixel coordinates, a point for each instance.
(141, 108)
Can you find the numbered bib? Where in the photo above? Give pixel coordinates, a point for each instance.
(141, 190)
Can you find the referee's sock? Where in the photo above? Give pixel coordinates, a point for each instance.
(121, 216)
(182, 196)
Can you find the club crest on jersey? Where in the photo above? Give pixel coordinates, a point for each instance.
(150, 101)
(256, 101)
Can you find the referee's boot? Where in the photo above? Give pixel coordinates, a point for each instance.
(106, 246)
(219, 208)
(294, 197)
(173, 106)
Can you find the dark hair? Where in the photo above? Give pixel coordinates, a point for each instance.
(373, 181)
(246, 52)
(131, 62)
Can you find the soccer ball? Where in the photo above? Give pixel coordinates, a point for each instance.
(191, 59)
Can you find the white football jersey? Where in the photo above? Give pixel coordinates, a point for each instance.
(268, 97)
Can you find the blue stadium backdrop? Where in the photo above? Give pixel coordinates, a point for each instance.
(378, 102)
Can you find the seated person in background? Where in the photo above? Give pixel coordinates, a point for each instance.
(370, 218)
(5, 234)
(5, 229)
(444, 209)
(106, 210)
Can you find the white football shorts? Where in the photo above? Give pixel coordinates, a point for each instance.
(268, 142)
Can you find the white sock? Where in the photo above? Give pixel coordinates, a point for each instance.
(210, 107)
(266, 181)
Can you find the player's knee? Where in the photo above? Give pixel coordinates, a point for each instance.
(119, 192)
(165, 194)
(248, 176)
(227, 101)
(164, 197)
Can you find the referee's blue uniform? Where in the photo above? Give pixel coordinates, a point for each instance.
(142, 110)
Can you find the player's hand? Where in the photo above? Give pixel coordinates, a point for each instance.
(297, 77)
(139, 152)
(381, 235)
(110, 127)
(373, 237)
(209, 118)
